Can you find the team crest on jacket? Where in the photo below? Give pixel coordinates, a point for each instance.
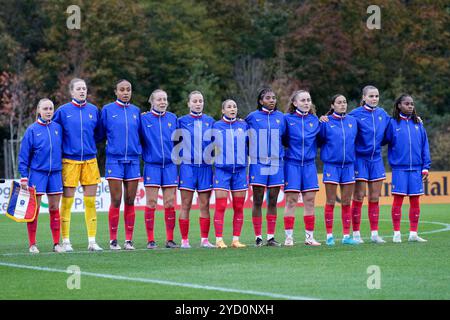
(56, 132)
(278, 121)
(169, 124)
(90, 116)
(417, 127)
(134, 116)
(328, 175)
(380, 118)
(109, 171)
(350, 125)
(207, 124)
(311, 125)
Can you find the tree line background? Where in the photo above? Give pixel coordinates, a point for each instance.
(226, 49)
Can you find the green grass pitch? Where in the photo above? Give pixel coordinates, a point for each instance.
(407, 270)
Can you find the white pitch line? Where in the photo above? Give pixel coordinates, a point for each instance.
(12, 254)
(162, 282)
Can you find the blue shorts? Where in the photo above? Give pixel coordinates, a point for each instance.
(45, 183)
(122, 170)
(157, 176)
(225, 179)
(195, 178)
(367, 170)
(300, 178)
(335, 174)
(407, 183)
(266, 175)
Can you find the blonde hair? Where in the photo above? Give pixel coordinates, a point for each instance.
(152, 96)
(40, 103)
(291, 107)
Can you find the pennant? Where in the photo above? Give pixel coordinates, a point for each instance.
(22, 204)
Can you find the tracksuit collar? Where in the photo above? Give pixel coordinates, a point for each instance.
(79, 103)
(157, 113)
(265, 110)
(404, 116)
(369, 108)
(196, 114)
(122, 104)
(338, 115)
(42, 122)
(301, 113)
(228, 120)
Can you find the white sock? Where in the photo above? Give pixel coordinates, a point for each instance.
(269, 236)
(203, 239)
(346, 236)
(413, 234)
(218, 239)
(374, 233)
(66, 240)
(309, 234)
(258, 236)
(235, 238)
(91, 239)
(396, 233)
(356, 234)
(289, 233)
(329, 235)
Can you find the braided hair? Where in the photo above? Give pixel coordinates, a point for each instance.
(396, 111)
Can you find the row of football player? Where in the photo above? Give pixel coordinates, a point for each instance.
(58, 152)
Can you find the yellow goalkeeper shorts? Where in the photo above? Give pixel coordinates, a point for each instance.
(84, 172)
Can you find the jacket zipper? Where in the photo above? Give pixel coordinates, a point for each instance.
(160, 138)
(51, 150)
(82, 150)
(303, 141)
(410, 152)
(343, 134)
(374, 135)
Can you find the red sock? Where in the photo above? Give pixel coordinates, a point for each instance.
(184, 228)
(257, 225)
(271, 223)
(414, 213)
(289, 222)
(150, 223)
(329, 213)
(309, 222)
(129, 216)
(396, 212)
(169, 217)
(221, 206)
(204, 226)
(32, 228)
(356, 214)
(238, 217)
(55, 225)
(346, 219)
(374, 213)
(113, 217)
